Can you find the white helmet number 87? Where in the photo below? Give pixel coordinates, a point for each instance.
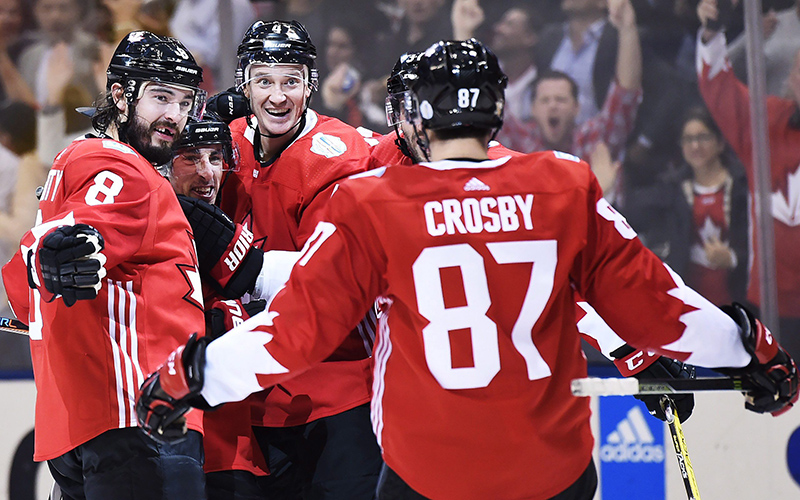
(468, 98)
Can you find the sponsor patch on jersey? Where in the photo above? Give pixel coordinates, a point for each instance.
(328, 146)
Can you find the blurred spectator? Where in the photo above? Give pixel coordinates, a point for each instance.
(57, 121)
(58, 39)
(781, 42)
(12, 85)
(423, 22)
(123, 17)
(340, 74)
(513, 39)
(196, 24)
(269, 9)
(585, 48)
(555, 105)
(22, 172)
(155, 15)
(728, 99)
(413, 26)
(715, 187)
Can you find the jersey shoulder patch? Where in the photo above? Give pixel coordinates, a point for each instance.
(329, 146)
(118, 146)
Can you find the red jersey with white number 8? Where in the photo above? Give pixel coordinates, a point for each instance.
(474, 264)
(90, 359)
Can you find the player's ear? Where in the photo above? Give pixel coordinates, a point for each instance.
(117, 94)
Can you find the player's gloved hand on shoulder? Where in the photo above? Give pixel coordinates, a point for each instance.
(644, 365)
(229, 105)
(772, 371)
(223, 315)
(172, 390)
(69, 263)
(224, 253)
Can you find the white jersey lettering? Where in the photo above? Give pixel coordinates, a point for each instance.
(474, 215)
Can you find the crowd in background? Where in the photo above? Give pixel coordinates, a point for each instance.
(611, 81)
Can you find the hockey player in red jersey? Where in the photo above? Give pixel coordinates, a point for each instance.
(289, 156)
(203, 155)
(474, 261)
(107, 281)
(407, 148)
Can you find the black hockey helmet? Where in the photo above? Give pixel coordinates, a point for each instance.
(276, 42)
(458, 84)
(403, 72)
(142, 56)
(211, 130)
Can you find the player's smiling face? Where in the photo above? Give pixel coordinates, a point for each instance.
(158, 118)
(197, 172)
(277, 93)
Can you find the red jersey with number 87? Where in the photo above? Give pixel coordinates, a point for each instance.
(474, 264)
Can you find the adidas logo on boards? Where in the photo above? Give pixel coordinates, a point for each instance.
(475, 184)
(632, 441)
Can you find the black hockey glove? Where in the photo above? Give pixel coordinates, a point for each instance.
(172, 390)
(229, 105)
(225, 256)
(643, 366)
(223, 315)
(69, 263)
(772, 370)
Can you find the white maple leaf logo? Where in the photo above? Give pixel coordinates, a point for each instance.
(788, 210)
(708, 231)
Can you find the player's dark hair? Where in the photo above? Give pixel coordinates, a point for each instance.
(552, 74)
(106, 112)
(701, 114)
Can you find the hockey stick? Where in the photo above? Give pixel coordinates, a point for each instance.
(13, 326)
(630, 386)
(681, 453)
